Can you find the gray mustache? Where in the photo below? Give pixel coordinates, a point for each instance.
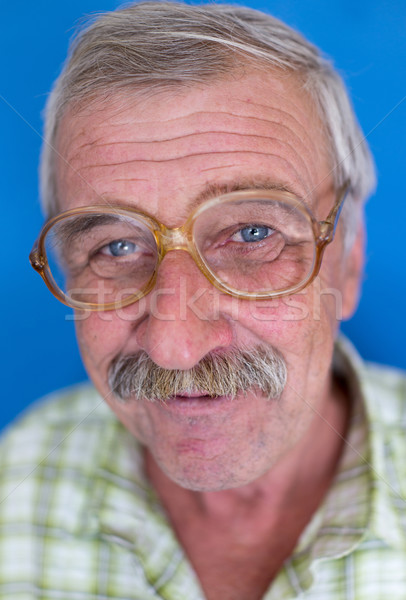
(137, 376)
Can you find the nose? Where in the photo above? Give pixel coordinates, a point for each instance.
(183, 322)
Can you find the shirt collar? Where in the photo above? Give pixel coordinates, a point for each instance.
(359, 504)
(340, 523)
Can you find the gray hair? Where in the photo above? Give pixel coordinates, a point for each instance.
(157, 45)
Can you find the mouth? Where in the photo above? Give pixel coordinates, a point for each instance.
(194, 396)
(195, 402)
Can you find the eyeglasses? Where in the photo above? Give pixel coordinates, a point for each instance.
(250, 244)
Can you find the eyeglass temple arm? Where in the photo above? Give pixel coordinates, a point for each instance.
(328, 227)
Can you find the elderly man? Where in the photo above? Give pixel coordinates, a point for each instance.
(196, 162)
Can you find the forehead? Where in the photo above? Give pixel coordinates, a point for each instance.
(166, 152)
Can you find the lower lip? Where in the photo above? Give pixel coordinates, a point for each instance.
(195, 404)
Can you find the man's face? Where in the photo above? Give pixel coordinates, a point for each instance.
(159, 154)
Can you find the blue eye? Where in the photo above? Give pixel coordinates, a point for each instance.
(252, 233)
(120, 248)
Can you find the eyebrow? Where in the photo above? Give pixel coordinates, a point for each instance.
(212, 190)
(68, 231)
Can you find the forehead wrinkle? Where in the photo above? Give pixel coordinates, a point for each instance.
(124, 100)
(225, 117)
(184, 157)
(198, 136)
(292, 140)
(299, 134)
(179, 137)
(285, 90)
(96, 143)
(285, 120)
(251, 139)
(141, 162)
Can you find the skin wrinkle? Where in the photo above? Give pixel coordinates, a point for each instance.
(101, 196)
(174, 139)
(195, 154)
(181, 137)
(223, 135)
(176, 158)
(297, 145)
(191, 154)
(224, 115)
(221, 116)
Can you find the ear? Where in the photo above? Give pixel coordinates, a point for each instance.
(353, 273)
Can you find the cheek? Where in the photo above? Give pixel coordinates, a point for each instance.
(101, 336)
(292, 321)
(135, 418)
(302, 327)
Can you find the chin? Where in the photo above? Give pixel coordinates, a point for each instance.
(208, 477)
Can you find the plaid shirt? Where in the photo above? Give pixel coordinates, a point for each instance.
(79, 520)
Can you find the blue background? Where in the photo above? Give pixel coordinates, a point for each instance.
(368, 42)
